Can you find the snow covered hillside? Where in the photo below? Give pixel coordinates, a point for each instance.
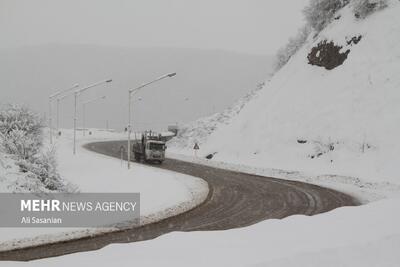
(199, 130)
(327, 117)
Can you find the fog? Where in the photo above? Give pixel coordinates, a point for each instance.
(220, 49)
(206, 81)
(250, 26)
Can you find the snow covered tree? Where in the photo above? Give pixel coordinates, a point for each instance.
(20, 131)
(317, 14)
(363, 8)
(21, 136)
(44, 168)
(320, 12)
(18, 143)
(293, 45)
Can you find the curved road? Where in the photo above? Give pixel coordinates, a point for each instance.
(235, 200)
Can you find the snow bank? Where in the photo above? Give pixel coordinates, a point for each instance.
(343, 121)
(352, 236)
(363, 191)
(163, 193)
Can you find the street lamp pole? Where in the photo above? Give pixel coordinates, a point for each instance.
(84, 110)
(84, 118)
(75, 100)
(58, 110)
(50, 122)
(131, 92)
(76, 94)
(51, 97)
(129, 130)
(58, 114)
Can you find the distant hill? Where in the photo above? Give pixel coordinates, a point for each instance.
(207, 81)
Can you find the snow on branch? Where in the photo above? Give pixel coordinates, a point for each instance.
(318, 14)
(294, 44)
(21, 135)
(364, 8)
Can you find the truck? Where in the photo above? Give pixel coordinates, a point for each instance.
(150, 148)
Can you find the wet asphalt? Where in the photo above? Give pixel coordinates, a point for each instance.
(235, 200)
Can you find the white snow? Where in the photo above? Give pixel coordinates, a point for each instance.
(354, 107)
(363, 191)
(10, 175)
(353, 236)
(162, 193)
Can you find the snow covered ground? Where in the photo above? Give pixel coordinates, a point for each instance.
(364, 191)
(337, 128)
(341, 122)
(163, 193)
(353, 236)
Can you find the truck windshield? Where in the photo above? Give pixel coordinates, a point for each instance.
(155, 146)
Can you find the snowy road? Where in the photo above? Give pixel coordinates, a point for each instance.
(235, 200)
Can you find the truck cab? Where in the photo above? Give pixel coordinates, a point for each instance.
(150, 148)
(155, 151)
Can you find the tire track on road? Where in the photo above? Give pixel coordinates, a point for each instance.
(235, 200)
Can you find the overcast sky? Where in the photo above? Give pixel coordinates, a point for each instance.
(251, 26)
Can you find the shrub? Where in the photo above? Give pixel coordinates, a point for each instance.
(328, 55)
(44, 168)
(21, 135)
(363, 8)
(294, 44)
(20, 131)
(320, 12)
(317, 14)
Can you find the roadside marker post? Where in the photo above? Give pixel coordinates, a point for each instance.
(122, 149)
(195, 148)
